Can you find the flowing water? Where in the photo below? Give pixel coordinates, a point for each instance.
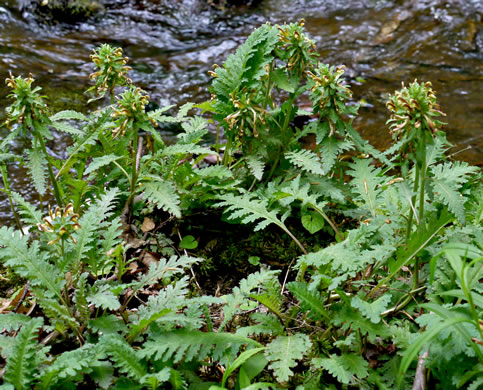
(173, 43)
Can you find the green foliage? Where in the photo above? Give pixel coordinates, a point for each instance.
(120, 305)
(193, 345)
(344, 367)
(284, 351)
(24, 358)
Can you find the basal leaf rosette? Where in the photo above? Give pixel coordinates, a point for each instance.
(413, 111)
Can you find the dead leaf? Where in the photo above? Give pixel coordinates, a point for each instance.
(147, 225)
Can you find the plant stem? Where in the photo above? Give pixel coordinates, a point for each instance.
(329, 221)
(413, 200)
(421, 204)
(136, 151)
(58, 198)
(422, 178)
(6, 185)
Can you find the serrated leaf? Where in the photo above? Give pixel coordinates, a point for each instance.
(163, 195)
(344, 367)
(449, 196)
(6, 156)
(67, 115)
(283, 353)
(187, 345)
(256, 167)
(366, 181)
(104, 298)
(307, 161)
(311, 302)
(372, 310)
(99, 162)
(37, 168)
(20, 368)
(250, 209)
(65, 127)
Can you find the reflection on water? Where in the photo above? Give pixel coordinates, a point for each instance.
(173, 43)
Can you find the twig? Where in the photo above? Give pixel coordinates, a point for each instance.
(22, 298)
(421, 370)
(286, 276)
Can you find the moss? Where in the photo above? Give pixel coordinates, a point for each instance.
(9, 282)
(68, 10)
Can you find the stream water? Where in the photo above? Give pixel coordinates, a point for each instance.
(173, 43)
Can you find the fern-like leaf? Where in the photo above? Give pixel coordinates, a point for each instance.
(256, 166)
(446, 182)
(163, 195)
(283, 353)
(99, 162)
(266, 324)
(372, 310)
(366, 183)
(103, 297)
(249, 208)
(185, 149)
(70, 364)
(124, 357)
(164, 269)
(90, 225)
(247, 63)
(68, 115)
(29, 262)
(240, 294)
(12, 321)
(65, 127)
(31, 216)
(311, 302)
(37, 166)
(21, 363)
(272, 297)
(344, 367)
(183, 345)
(307, 161)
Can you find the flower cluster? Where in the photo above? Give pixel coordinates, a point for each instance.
(112, 69)
(62, 222)
(28, 105)
(298, 50)
(130, 108)
(247, 115)
(329, 94)
(414, 108)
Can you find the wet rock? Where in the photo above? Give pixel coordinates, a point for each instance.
(386, 33)
(65, 11)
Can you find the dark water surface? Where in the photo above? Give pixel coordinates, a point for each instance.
(173, 43)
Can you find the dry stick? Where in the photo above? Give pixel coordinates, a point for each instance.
(286, 276)
(421, 370)
(22, 298)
